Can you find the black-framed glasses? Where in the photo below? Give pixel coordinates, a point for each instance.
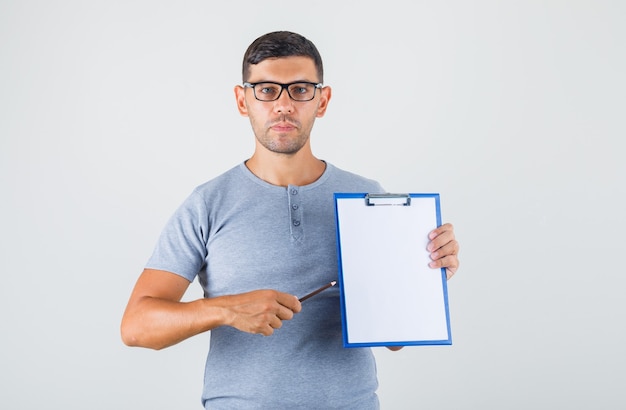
(270, 91)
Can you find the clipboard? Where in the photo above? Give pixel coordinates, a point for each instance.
(389, 295)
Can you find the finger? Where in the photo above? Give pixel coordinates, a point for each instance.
(266, 331)
(283, 313)
(450, 262)
(290, 302)
(281, 304)
(276, 322)
(450, 248)
(450, 271)
(441, 240)
(447, 227)
(269, 324)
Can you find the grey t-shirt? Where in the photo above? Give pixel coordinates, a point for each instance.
(238, 233)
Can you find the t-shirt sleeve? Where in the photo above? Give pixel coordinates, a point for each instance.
(181, 247)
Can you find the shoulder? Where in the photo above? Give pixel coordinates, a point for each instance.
(230, 183)
(221, 180)
(213, 191)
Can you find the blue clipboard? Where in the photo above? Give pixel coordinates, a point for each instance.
(389, 295)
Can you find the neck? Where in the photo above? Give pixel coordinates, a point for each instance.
(301, 168)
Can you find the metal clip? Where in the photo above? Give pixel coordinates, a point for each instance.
(387, 199)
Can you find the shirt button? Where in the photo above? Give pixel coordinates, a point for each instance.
(294, 191)
(294, 206)
(296, 222)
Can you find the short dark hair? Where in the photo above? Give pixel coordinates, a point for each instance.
(281, 44)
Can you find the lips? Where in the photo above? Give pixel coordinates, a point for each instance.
(283, 127)
(284, 124)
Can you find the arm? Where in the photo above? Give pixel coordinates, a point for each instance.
(444, 250)
(156, 318)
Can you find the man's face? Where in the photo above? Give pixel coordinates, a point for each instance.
(282, 126)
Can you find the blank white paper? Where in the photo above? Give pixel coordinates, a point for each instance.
(389, 293)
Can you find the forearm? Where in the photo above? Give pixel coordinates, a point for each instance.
(159, 323)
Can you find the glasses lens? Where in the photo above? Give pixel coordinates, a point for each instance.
(267, 91)
(302, 91)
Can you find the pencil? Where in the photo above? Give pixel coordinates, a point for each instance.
(315, 292)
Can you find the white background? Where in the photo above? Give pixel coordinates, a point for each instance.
(112, 111)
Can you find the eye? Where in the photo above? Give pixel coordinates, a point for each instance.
(300, 89)
(267, 89)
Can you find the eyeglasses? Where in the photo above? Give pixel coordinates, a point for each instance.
(269, 91)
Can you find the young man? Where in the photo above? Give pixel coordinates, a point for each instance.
(257, 237)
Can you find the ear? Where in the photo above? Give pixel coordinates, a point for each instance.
(240, 97)
(325, 93)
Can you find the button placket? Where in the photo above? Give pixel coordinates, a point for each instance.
(295, 211)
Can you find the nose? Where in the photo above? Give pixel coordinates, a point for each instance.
(284, 103)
